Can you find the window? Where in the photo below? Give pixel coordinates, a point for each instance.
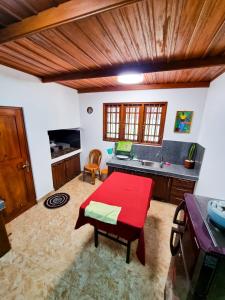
(112, 122)
(136, 122)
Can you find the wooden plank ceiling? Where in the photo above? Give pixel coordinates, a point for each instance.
(146, 31)
(12, 11)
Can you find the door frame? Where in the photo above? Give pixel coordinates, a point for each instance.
(28, 176)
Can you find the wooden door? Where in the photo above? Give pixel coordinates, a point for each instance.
(16, 180)
(72, 167)
(59, 174)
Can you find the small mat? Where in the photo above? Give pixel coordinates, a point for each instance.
(102, 212)
(56, 200)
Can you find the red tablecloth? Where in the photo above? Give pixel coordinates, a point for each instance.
(132, 193)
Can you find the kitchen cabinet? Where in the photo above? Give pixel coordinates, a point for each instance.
(167, 189)
(72, 166)
(162, 187)
(65, 170)
(59, 174)
(178, 188)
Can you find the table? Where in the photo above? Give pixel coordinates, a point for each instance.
(132, 193)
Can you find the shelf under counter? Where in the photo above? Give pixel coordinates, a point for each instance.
(67, 155)
(65, 170)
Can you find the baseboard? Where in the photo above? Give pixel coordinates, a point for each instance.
(45, 196)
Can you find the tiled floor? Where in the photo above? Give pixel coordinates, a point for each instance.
(50, 260)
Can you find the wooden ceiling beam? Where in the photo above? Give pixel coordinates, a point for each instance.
(64, 13)
(177, 85)
(141, 67)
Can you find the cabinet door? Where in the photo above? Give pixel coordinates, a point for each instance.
(59, 174)
(162, 186)
(179, 188)
(161, 189)
(72, 167)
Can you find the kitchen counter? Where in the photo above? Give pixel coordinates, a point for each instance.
(66, 155)
(177, 171)
(62, 152)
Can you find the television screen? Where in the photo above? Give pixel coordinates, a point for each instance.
(69, 136)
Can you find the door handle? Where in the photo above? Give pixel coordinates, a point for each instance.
(26, 166)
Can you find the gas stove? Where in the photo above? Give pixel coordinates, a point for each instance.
(217, 235)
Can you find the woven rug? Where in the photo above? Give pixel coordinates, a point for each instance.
(56, 200)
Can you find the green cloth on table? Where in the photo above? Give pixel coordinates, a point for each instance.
(124, 146)
(102, 212)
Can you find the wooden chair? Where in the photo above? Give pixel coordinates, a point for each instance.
(93, 165)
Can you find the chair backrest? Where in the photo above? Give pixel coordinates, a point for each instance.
(95, 157)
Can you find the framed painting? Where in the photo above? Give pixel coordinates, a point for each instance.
(183, 121)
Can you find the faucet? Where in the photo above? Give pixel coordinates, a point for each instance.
(162, 161)
(161, 158)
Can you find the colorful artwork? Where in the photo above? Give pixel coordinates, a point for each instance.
(183, 121)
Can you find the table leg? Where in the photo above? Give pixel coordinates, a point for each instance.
(128, 252)
(96, 237)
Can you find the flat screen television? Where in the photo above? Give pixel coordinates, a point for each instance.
(69, 136)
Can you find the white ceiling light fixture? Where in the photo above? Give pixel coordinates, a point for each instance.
(130, 78)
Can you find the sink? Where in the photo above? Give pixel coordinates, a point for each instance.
(153, 164)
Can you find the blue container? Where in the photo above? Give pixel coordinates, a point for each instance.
(216, 212)
(110, 150)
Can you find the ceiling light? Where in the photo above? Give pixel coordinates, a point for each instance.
(130, 78)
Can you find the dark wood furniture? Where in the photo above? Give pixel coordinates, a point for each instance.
(178, 188)
(167, 189)
(4, 241)
(197, 265)
(65, 170)
(117, 240)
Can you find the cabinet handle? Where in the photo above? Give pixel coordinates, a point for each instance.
(168, 183)
(181, 189)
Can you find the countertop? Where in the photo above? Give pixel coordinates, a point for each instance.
(54, 160)
(209, 237)
(177, 171)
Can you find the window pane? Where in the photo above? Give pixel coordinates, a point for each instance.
(112, 121)
(132, 115)
(125, 121)
(152, 123)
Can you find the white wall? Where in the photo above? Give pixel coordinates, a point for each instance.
(212, 137)
(45, 107)
(178, 99)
